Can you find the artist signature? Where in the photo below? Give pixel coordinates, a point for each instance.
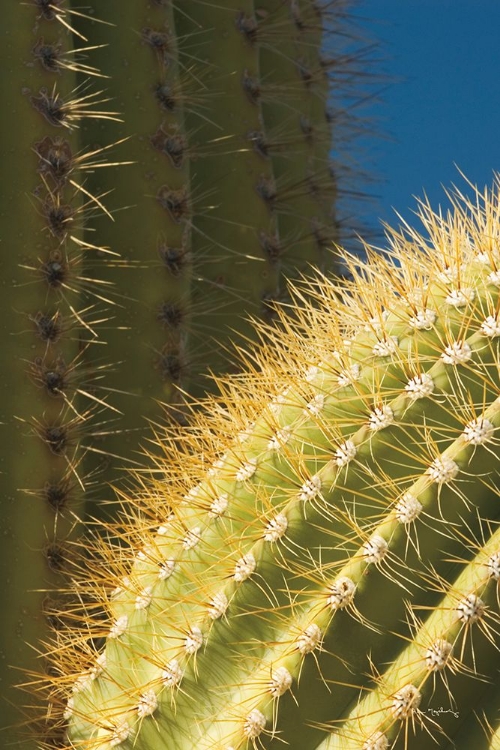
(441, 710)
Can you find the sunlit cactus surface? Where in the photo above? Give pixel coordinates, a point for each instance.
(314, 562)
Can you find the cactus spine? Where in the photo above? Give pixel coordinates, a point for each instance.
(318, 563)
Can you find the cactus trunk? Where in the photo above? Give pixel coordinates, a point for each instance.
(318, 565)
(48, 322)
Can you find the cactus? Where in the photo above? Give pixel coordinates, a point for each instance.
(315, 562)
(49, 318)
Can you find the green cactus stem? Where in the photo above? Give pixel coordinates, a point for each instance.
(317, 566)
(49, 319)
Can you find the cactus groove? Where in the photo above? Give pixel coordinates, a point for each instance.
(316, 564)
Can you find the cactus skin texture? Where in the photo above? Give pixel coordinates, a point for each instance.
(316, 561)
(49, 316)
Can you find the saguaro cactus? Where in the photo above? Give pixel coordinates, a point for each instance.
(317, 563)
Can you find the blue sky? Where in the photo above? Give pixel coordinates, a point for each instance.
(444, 107)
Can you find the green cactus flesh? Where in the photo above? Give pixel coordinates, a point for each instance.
(49, 319)
(316, 562)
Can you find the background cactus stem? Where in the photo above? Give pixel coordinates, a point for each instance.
(228, 139)
(51, 399)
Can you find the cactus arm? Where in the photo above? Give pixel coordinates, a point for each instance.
(272, 593)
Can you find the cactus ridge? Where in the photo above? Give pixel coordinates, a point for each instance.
(315, 559)
(54, 311)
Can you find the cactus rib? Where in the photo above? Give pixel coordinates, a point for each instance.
(51, 309)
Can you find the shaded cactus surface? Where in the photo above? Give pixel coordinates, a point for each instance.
(49, 319)
(231, 190)
(316, 563)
